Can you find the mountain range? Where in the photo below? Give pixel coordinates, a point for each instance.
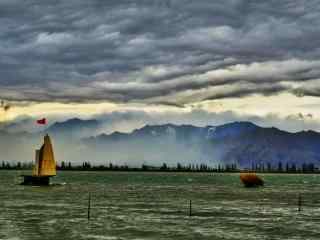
(241, 143)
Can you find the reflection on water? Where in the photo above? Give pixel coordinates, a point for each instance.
(156, 206)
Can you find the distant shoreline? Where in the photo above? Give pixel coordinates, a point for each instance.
(164, 171)
(228, 168)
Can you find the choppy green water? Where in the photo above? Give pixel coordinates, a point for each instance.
(156, 206)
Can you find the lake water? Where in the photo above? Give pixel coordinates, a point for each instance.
(126, 205)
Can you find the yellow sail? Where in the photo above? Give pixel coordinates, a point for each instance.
(45, 164)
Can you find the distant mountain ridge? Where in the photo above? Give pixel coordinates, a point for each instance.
(241, 143)
(73, 128)
(229, 130)
(73, 124)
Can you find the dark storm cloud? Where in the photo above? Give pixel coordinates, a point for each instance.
(126, 50)
(244, 91)
(301, 92)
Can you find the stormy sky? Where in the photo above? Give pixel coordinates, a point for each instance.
(252, 60)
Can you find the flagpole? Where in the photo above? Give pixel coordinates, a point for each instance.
(42, 122)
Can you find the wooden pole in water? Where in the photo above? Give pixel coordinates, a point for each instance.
(190, 208)
(89, 206)
(299, 203)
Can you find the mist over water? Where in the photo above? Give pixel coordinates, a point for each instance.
(241, 143)
(154, 148)
(156, 206)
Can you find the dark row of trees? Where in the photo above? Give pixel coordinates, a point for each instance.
(16, 166)
(86, 166)
(287, 168)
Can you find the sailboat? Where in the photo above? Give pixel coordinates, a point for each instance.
(44, 167)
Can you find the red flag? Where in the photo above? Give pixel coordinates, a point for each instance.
(42, 121)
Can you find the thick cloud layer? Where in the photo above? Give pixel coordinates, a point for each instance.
(164, 51)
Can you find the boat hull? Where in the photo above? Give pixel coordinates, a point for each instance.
(251, 180)
(36, 180)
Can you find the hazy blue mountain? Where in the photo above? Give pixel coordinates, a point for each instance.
(230, 130)
(243, 143)
(74, 127)
(73, 124)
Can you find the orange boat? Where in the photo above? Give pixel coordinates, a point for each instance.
(251, 180)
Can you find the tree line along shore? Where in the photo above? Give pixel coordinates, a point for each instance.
(87, 166)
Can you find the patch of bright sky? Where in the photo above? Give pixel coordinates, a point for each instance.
(283, 105)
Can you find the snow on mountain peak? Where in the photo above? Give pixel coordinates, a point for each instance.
(210, 132)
